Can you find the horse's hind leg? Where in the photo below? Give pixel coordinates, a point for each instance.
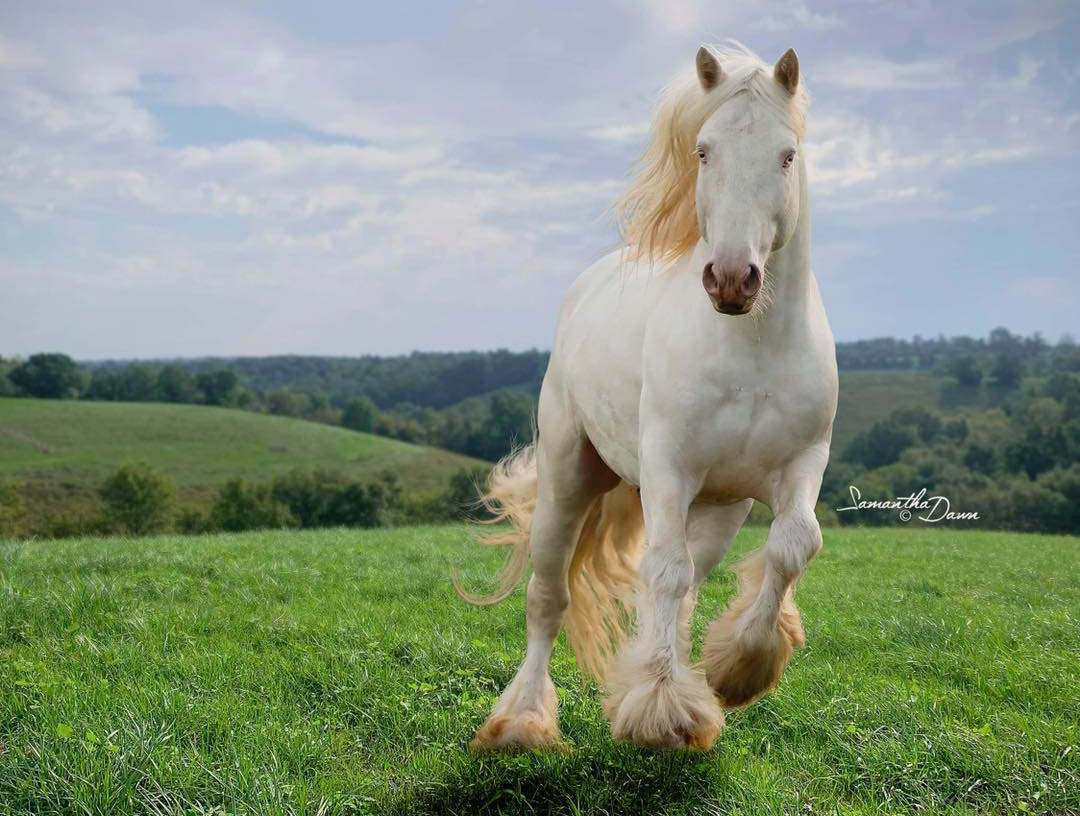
(571, 475)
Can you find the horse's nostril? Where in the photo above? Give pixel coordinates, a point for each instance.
(752, 280)
(708, 277)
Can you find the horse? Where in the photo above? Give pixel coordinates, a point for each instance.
(693, 372)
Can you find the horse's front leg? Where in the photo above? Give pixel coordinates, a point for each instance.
(748, 647)
(655, 698)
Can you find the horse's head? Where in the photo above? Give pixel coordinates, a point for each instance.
(748, 179)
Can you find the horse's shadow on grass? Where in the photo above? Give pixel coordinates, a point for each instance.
(617, 780)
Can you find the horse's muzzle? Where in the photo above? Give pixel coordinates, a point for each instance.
(732, 290)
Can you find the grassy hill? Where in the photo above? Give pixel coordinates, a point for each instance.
(77, 442)
(335, 672)
(72, 443)
(867, 397)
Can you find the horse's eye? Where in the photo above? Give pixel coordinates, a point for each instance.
(789, 159)
(702, 156)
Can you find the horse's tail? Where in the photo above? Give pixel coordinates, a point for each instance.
(510, 497)
(603, 570)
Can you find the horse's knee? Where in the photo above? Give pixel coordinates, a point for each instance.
(669, 572)
(546, 597)
(795, 539)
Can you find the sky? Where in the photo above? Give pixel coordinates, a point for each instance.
(211, 179)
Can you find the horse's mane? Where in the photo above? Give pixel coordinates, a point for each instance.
(656, 215)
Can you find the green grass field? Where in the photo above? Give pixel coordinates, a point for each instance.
(335, 672)
(80, 443)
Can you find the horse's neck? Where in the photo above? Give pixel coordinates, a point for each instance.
(793, 286)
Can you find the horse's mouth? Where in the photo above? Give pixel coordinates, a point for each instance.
(732, 310)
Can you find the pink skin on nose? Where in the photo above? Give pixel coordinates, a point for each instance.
(731, 287)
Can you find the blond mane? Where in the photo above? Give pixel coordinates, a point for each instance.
(656, 215)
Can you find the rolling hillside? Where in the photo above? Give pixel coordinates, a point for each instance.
(867, 397)
(73, 443)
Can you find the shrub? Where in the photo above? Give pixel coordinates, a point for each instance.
(192, 521)
(308, 495)
(137, 499)
(78, 520)
(358, 505)
(461, 499)
(12, 511)
(239, 506)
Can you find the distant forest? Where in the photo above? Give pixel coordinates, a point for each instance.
(1008, 438)
(438, 380)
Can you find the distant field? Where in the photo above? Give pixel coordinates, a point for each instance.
(80, 443)
(335, 672)
(867, 397)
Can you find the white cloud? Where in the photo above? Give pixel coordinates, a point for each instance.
(262, 156)
(876, 74)
(795, 15)
(633, 132)
(990, 155)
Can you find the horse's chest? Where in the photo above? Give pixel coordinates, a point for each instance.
(744, 422)
(753, 431)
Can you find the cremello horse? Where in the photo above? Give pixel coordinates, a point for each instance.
(693, 372)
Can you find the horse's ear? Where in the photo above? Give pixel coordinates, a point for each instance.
(786, 70)
(709, 72)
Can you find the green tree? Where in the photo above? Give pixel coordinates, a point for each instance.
(7, 387)
(51, 376)
(104, 384)
(136, 383)
(956, 429)
(881, 445)
(927, 423)
(509, 423)
(176, 384)
(217, 386)
(966, 370)
(360, 413)
(137, 499)
(1007, 370)
(980, 458)
(287, 403)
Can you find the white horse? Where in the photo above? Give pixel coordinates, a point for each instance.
(665, 412)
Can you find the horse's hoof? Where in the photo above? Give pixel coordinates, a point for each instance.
(524, 732)
(739, 670)
(666, 713)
